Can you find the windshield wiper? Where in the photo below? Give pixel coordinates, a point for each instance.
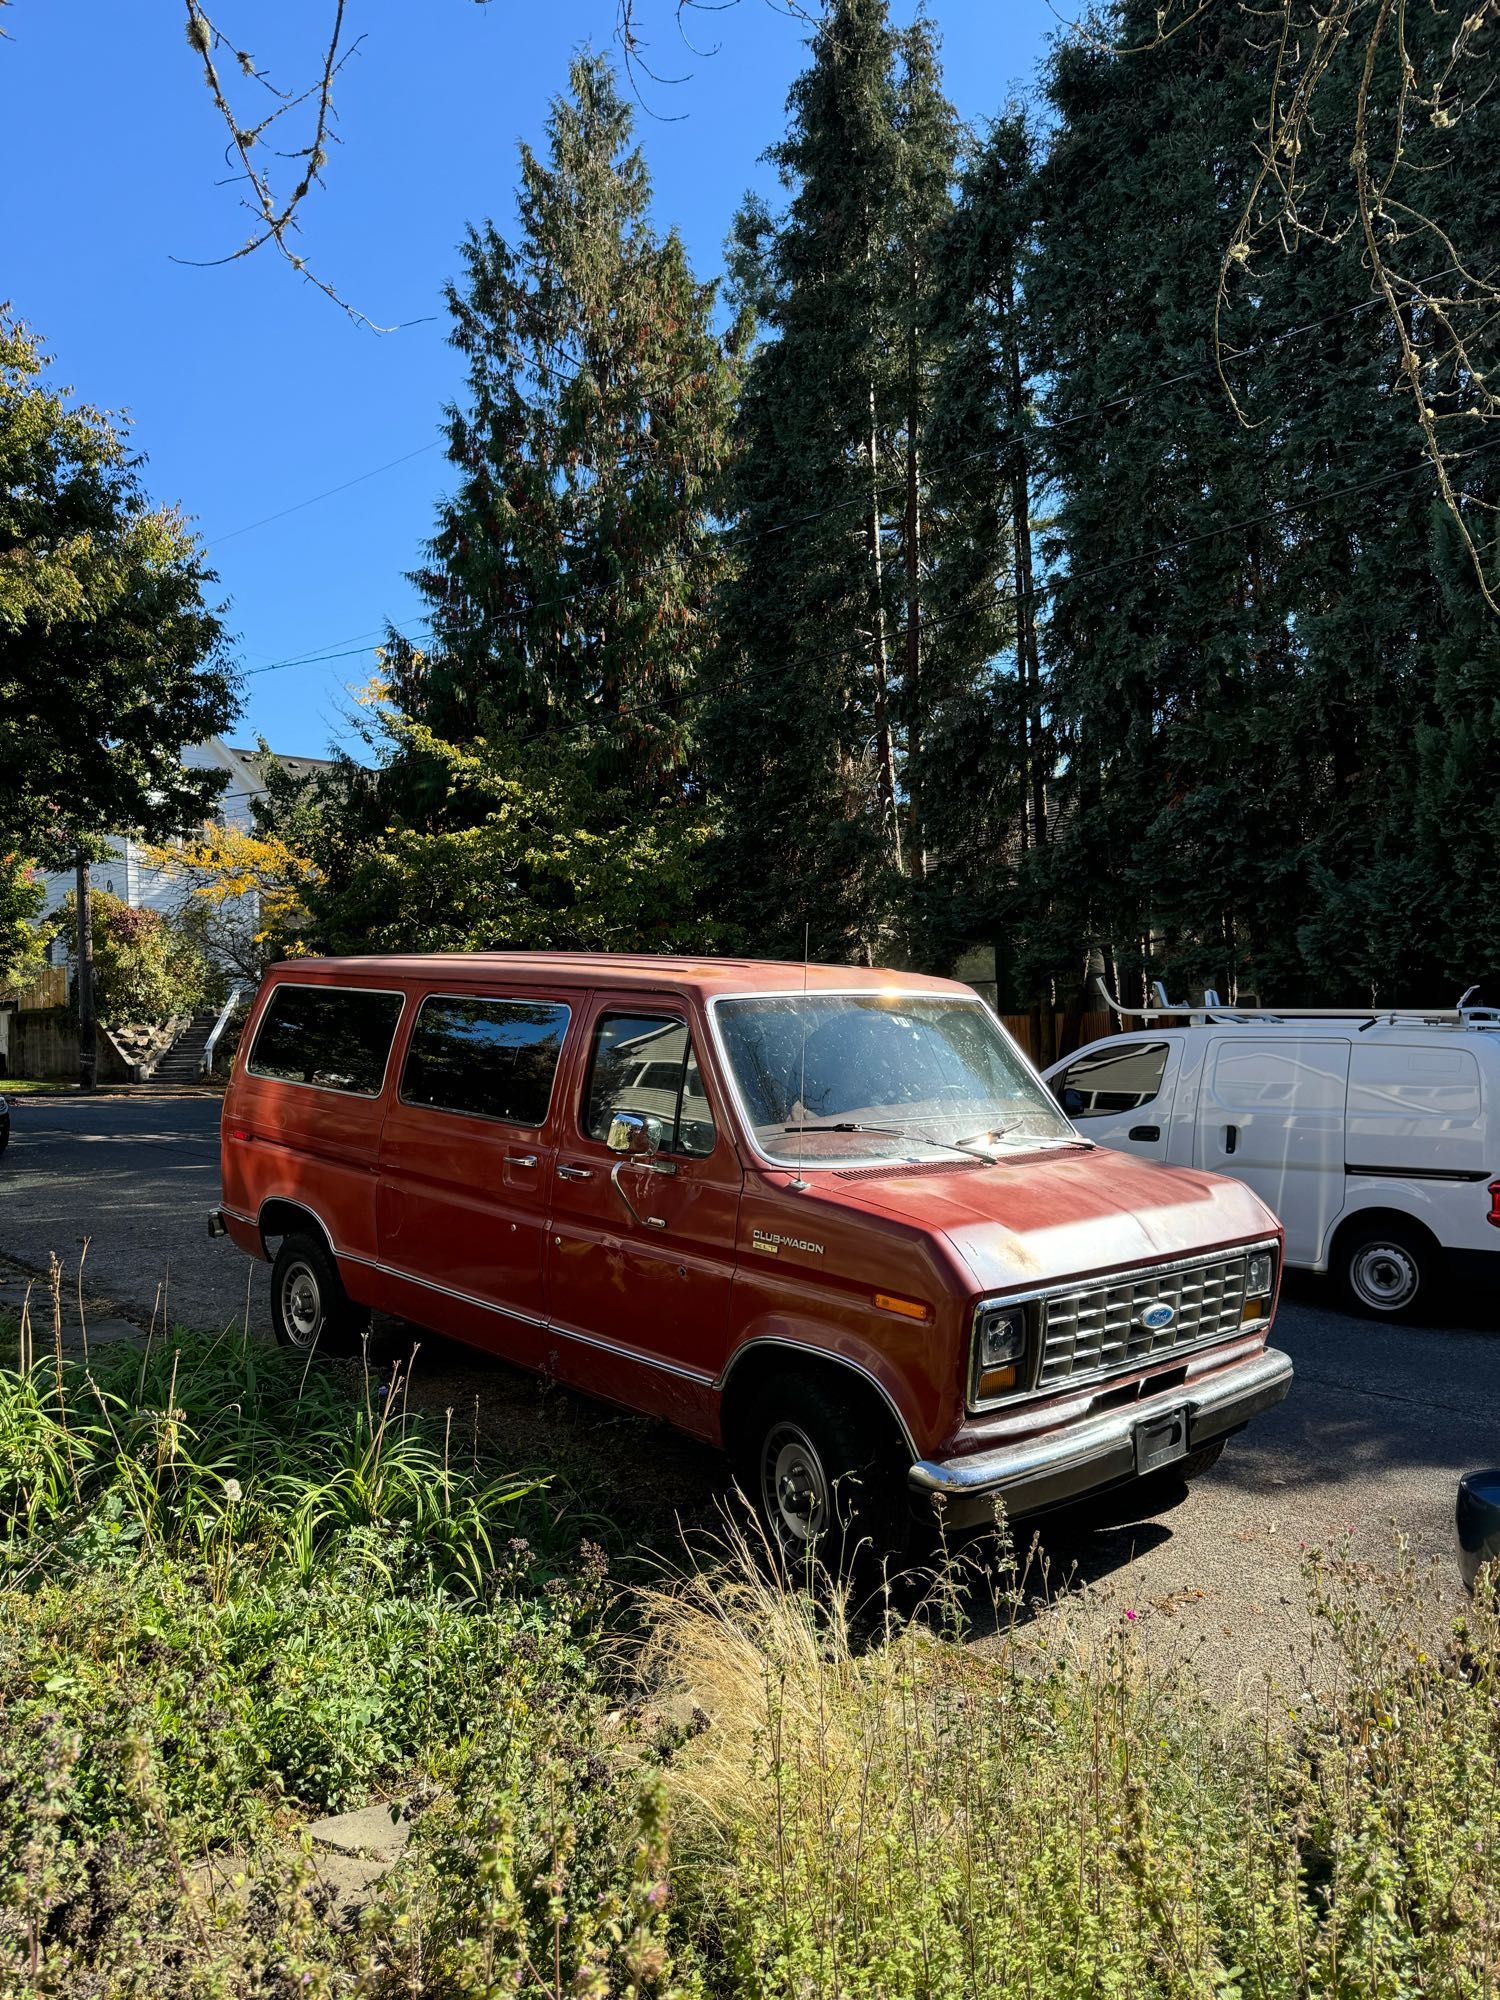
(890, 1132)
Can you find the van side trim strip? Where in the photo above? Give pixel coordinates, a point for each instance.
(1420, 1173)
(696, 1375)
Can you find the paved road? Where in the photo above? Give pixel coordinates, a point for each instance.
(1380, 1423)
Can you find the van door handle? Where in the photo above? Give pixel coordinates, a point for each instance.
(520, 1159)
(575, 1173)
(1145, 1132)
(1231, 1137)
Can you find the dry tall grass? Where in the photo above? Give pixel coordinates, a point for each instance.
(913, 1817)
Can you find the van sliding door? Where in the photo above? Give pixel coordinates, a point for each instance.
(1271, 1114)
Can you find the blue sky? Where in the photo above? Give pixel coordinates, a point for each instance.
(250, 392)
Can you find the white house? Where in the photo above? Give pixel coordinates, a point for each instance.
(126, 871)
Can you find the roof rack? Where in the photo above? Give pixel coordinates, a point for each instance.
(1211, 1008)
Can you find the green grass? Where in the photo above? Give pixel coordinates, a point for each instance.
(238, 1593)
(26, 1086)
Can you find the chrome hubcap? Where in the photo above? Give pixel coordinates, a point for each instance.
(301, 1305)
(794, 1486)
(1385, 1276)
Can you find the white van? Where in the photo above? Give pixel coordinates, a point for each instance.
(1374, 1137)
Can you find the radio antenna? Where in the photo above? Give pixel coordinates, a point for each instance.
(797, 1180)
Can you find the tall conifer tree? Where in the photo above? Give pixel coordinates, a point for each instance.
(571, 578)
(822, 696)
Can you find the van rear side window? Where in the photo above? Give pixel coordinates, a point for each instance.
(331, 1037)
(489, 1058)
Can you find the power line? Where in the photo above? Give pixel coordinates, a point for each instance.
(313, 499)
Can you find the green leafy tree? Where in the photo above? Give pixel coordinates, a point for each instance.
(147, 967)
(110, 659)
(523, 855)
(21, 943)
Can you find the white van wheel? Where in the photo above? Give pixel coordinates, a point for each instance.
(1385, 1271)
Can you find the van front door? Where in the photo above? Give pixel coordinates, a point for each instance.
(1271, 1114)
(1119, 1093)
(640, 1255)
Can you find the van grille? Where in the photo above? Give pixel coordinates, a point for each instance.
(1096, 1329)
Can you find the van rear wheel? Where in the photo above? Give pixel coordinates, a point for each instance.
(310, 1310)
(1386, 1270)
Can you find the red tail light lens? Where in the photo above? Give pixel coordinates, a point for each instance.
(1493, 1218)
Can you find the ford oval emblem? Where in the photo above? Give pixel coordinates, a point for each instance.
(1155, 1318)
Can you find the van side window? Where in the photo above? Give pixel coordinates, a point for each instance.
(1112, 1080)
(645, 1062)
(490, 1058)
(332, 1037)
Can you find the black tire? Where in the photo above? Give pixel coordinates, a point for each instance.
(1386, 1269)
(826, 1474)
(310, 1310)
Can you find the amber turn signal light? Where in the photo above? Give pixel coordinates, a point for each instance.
(908, 1308)
(995, 1382)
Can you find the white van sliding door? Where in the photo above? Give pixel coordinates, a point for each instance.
(1271, 1114)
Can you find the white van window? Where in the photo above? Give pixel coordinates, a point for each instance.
(1280, 1076)
(330, 1037)
(1112, 1080)
(1415, 1107)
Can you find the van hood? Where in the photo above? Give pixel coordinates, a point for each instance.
(1043, 1218)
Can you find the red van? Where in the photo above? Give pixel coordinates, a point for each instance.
(826, 1217)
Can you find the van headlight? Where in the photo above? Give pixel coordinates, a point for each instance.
(999, 1348)
(1260, 1282)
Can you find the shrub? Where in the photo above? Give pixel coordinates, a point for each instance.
(147, 967)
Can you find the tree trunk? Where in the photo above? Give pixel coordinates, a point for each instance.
(883, 746)
(912, 680)
(1028, 656)
(88, 1034)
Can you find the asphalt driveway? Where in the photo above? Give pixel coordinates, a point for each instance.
(1380, 1423)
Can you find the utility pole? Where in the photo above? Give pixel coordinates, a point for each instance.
(88, 1033)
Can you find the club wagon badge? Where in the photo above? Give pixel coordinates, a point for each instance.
(773, 1243)
(1157, 1318)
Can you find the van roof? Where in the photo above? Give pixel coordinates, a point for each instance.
(704, 976)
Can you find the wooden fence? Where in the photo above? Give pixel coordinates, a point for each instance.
(1069, 1032)
(48, 989)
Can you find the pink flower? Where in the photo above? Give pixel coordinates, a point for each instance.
(1131, 1616)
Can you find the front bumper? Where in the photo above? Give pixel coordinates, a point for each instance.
(1061, 1465)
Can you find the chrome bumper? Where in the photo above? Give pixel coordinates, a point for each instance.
(1061, 1465)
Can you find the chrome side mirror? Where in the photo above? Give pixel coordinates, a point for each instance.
(635, 1135)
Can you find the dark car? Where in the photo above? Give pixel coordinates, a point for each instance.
(4, 1124)
(1478, 1514)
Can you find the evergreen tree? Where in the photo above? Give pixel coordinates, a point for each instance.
(1244, 614)
(822, 697)
(571, 574)
(571, 580)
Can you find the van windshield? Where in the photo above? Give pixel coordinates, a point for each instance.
(832, 1078)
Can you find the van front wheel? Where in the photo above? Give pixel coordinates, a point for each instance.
(1386, 1271)
(309, 1307)
(823, 1476)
